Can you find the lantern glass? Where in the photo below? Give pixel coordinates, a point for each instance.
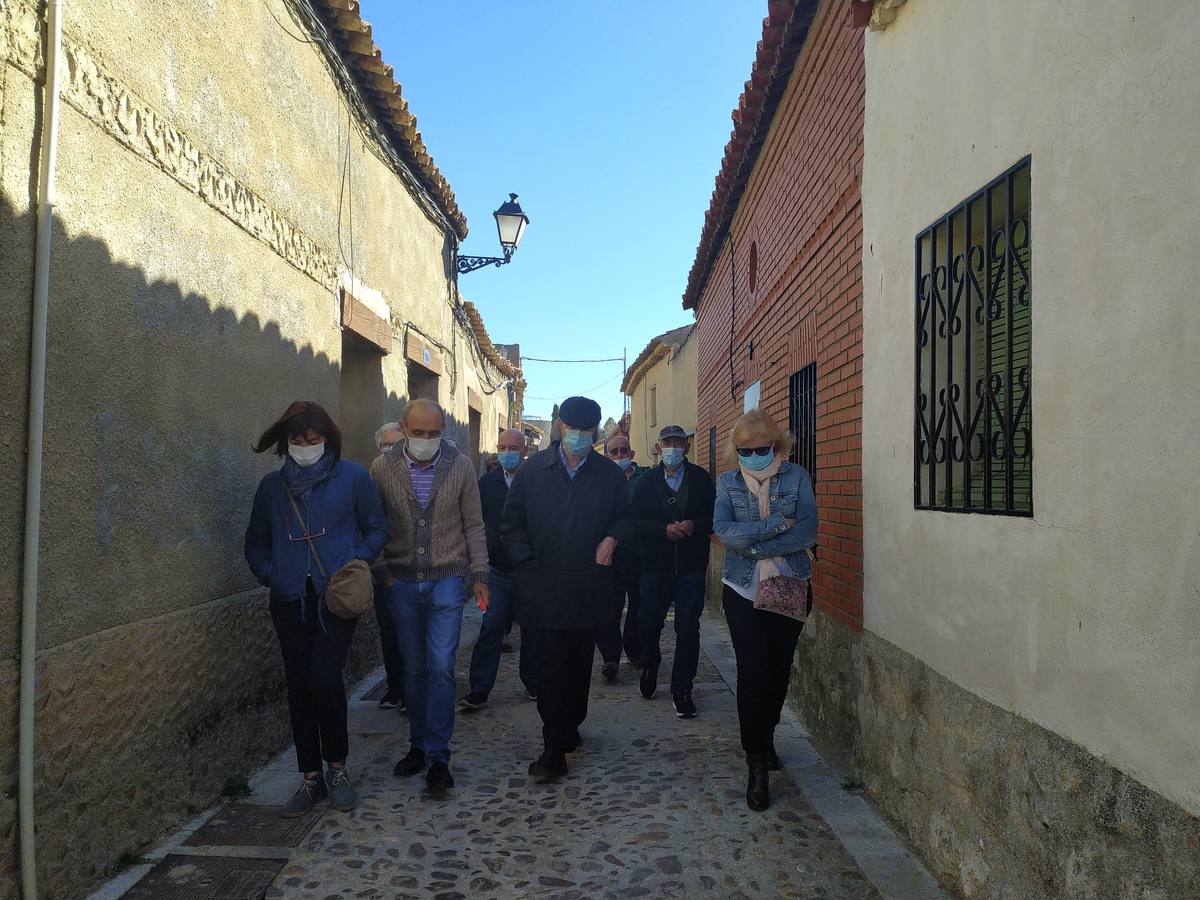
(510, 223)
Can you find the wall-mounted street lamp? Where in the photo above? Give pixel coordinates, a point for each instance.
(511, 222)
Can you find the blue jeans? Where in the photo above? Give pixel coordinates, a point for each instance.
(428, 616)
(686, 592)
(485, 658)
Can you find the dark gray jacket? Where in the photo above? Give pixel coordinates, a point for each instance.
(550, 528)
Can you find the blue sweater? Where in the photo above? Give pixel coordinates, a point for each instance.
(345, 517)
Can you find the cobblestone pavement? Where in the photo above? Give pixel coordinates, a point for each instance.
(653, 807)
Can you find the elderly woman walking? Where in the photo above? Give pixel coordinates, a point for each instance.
(311, 517)
(766, 516)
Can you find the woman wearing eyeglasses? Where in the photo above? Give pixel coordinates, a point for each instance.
(766, 517)
(315, 503)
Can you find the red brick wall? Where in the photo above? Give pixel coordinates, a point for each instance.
(802, 209)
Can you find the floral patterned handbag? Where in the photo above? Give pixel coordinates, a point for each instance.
(786, 594)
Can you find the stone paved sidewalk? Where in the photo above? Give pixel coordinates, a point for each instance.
(653, 807)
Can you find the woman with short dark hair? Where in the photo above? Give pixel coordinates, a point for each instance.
(766, 516)
(311, 517)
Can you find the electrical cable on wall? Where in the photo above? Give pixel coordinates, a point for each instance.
(732, 312)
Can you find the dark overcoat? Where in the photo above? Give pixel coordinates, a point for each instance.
(550, 528)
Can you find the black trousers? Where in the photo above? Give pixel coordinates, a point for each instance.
(611, 638)
(764, 644)
(564, 680)
(389, 643)
(313, 660)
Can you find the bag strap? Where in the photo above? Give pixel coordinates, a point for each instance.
(307, 536)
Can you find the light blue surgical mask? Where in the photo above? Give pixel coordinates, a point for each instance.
(576, 440)
(509, 460)
(672, 457)
(624, 463)
(756, 463)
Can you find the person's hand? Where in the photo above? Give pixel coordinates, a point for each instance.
(391, 580)
(482, 596)
(688, 526)
(605, 550)
(791, 523)
(675, 531)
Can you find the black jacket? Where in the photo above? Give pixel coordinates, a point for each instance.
(655, 504)
(493, 491)
(550, 529)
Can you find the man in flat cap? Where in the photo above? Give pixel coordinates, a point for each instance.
(673, 504)
(567, 509)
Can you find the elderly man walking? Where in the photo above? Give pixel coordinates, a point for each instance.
(485, 658)
(674, 508)
(436, 547)
(611, 638)
(567, 510)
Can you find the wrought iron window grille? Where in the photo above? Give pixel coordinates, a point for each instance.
(802, 418)
(973, 433)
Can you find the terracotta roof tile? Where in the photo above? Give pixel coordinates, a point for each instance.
(490, 353)
(659, 346)
(784, 31)
(375, 79)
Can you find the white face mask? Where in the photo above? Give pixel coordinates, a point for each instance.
(423, 449)
(306, 456)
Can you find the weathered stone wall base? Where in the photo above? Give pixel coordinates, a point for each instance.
(996, 805)
(138, 728)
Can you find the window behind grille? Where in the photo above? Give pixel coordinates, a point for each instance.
(973, 432)
(802, 418)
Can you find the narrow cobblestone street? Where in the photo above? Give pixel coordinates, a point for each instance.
(653, 806)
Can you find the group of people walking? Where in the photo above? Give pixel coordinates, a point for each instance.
(561, 541)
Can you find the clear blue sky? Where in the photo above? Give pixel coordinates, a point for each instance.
(609, 120)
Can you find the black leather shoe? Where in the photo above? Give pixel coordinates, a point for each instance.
(438, 778)
(412, 763)
(609, 671)
(550, 765)
(685, 706)
(758, 796)
(649, 680)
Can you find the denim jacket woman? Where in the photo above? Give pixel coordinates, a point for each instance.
(748, 537)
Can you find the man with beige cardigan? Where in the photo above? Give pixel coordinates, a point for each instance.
(436, 551)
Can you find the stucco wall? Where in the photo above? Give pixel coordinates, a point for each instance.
(193, 295)
(674, 378)
(1082, 618)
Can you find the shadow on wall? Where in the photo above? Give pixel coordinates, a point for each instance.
(153, 689)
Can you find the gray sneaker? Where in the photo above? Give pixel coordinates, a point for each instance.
(341, 792)
(310, 793)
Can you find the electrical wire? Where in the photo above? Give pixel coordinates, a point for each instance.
(538, 359)
(585, 390)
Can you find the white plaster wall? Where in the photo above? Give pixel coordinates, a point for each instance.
(1085, 618)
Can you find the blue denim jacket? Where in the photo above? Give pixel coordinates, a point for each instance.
(748, 538)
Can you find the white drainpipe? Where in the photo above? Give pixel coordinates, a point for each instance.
(33, 475)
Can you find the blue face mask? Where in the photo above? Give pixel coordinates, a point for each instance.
(624, 463)
(509, 460)
(577, 441)
(672, 456)
(756, 463)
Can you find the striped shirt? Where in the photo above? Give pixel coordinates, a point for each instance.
(422, 478)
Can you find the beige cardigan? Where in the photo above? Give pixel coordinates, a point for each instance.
(445, 539)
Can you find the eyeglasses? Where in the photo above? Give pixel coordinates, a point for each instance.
(753, 451)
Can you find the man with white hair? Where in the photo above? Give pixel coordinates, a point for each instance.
(435, 554)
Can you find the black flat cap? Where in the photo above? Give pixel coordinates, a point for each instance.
(580, 412)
